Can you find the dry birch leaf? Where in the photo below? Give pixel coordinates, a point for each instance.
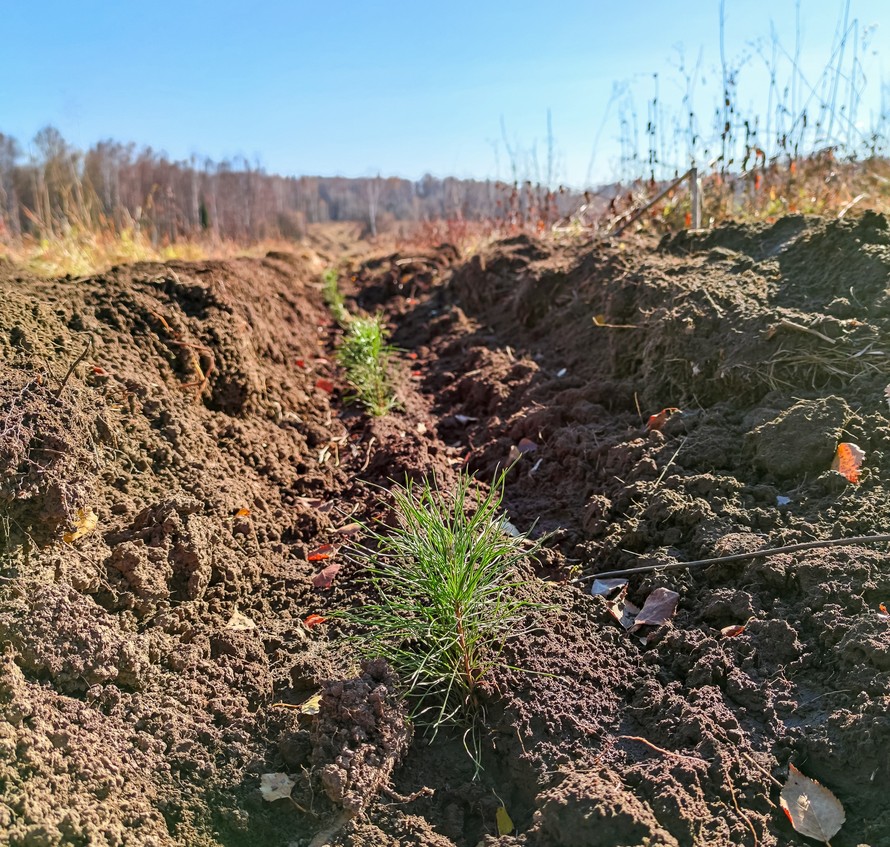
(240, 622)
(812, 809)
(275, 786)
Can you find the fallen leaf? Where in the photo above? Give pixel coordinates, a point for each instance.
(240, 622)
(314, 620)
(514, 455)
(883, 614)
(659, 420)
(606, 587)
(510, 529)
(324, 385)
(526, 445)
(301, 363)
(600, 320)
(319, 554)
(98, 370)
(87, 520)
(465, 419)
(323, 579)
(658, 609)
(349, 529)
(242, 513)
(733, 631)
(782, 501)
(812, 809)
(847, 461)
(504, 821)
(311, 706)
(622, 609)
(275, 786)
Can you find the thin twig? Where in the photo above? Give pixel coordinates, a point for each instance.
(808, 329)
(762, 769)
(661, 750)
(741, 814)
(367, 461)
(850, 205)
(403, 799)
(635, 214)
(667, 467)
(74, 364)
(737, 557)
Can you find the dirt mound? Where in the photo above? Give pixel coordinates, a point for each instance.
(177, 422)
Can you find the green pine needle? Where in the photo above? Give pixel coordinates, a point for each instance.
(448, 598)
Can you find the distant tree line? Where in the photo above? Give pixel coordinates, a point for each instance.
(54, 188)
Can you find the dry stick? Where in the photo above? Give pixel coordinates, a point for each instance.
(735, 803)
(326, 835)
(737, 557)
(367, 461)
(640, 212)
(763, 770)
(661, 750)
(426, 791)
(807, 329)
(74, 364)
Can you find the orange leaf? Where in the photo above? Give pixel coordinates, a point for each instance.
(86, 522)
(301, 363)
(314, 620)
(242, 513)
(658, 421)
(323, 579)
(324, 385)
(847, 461)
(321, 553)
(733, 631)
(100, 371)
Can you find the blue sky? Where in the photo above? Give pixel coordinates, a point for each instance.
(399, 88)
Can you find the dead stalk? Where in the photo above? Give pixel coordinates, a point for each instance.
(737, 557)
(74, 364)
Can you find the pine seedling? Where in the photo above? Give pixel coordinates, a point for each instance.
(333, 298)
(365, 356)
(448, 598)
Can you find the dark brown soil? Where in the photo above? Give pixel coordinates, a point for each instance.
(138, 708)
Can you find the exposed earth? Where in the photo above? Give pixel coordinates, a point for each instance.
(173, 421)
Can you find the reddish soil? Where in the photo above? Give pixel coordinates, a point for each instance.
(137, 710)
